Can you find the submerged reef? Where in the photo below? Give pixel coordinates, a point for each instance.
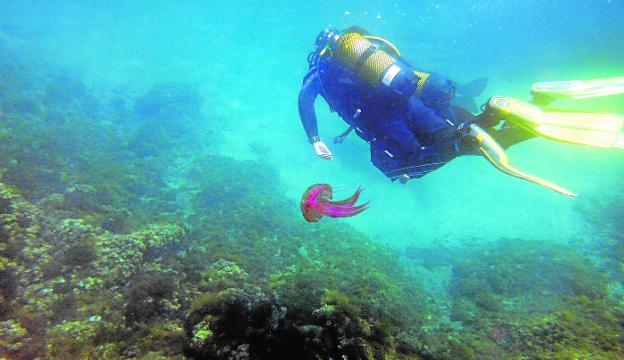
(124, 235)
(73, 290)
(519, 299)
(169, 116)
(108, 251)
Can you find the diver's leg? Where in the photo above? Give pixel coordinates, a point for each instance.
(510, 134)
(425, 121)
(506, 135)
(395, 128)
(387, 159)
(462, 115)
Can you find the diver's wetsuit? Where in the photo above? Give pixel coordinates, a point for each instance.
(406, 135)
(362, 110)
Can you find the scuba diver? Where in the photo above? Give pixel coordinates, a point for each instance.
(411, 118)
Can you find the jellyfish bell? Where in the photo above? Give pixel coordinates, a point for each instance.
(316, 202)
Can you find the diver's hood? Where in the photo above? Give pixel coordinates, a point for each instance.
(326, 37)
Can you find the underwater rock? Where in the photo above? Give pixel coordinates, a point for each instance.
(151, 297)
(62, 277)
(64, 308)
(81, 196)
(151, 139)
(121, 256)
(24, 106)
(170, 102)
(65, 92)
(530, 298)
(76, 244)
(170, 117)
(84, 275)
(229, 270)
(64, 88)
(221, 321)
(159, 239)
(233, 323)
(54, 118)
(8, 284)
(12, 337)
(536, 274)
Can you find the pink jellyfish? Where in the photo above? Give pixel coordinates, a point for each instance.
(316, 203)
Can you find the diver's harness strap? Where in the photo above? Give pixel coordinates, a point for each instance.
(340, 138)
(360, 63)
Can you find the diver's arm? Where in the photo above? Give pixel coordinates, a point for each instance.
(307, 96)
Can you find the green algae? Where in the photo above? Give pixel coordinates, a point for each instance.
(124, 240)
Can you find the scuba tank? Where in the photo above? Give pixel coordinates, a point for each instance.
(384, 70)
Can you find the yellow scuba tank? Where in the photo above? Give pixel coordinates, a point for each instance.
(373, 65)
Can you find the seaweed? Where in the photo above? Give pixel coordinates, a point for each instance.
(124, 235)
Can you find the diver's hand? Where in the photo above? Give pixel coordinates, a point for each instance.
(322, 150)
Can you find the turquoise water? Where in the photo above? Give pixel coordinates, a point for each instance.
(246, 60)
(249, 59)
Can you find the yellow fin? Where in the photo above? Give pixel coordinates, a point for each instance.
(580, 89)
(587, 128)
(496, 155)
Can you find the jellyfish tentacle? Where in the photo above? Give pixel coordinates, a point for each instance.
(345, 211)
(352, 200)
(341, 208)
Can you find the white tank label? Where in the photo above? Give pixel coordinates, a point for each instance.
(391, 73)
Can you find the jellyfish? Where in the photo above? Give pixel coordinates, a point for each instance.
(316, 203)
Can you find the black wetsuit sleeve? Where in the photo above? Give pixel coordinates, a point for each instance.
(307, 96)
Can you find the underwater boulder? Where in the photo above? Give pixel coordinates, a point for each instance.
(24, 106)
(151, 139)
(54, 118)
(541, 273)
(150, 297)
(169, 102)
(8, 284)
(159, 239)
(169, 115)
(68, 92)
(233, 323)
(64, 88)
(221, 275)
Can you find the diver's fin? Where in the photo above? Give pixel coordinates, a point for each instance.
(620, 142)
(496, 155)
(474, 88)
(467, 103)
(544, 92)
(587, 128)
(466, 93)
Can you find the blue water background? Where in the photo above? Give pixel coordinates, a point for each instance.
(248, 59)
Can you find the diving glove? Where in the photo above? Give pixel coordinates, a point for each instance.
(322, 150)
